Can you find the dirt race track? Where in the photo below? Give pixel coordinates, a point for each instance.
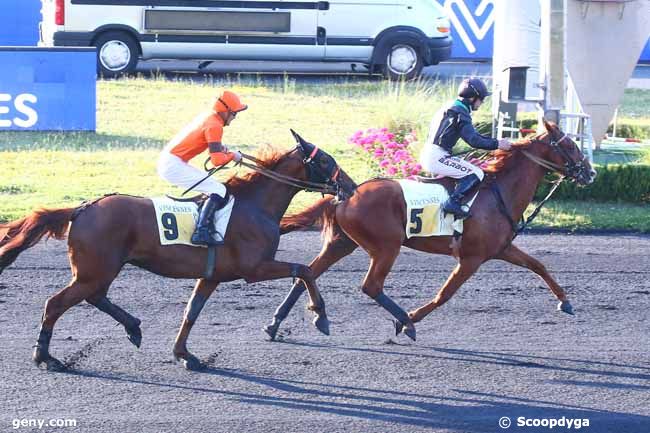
(498, 349)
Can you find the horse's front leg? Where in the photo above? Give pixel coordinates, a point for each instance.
(202, 291)
(273, 270)
(333, 251)
(514, 255)
(461, 273)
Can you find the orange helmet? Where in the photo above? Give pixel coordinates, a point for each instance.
(229, 101)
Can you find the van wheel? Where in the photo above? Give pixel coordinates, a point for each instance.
(404, 62)
(117, 54)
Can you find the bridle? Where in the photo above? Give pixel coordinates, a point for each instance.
(571, 169)
(328, 185)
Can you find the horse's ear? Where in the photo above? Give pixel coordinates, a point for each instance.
(549, 126)
(297, 137)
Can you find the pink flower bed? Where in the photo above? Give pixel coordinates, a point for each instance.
(388, 153)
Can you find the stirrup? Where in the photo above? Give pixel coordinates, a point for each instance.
(201, 236)
(457, 211)
(204, 237)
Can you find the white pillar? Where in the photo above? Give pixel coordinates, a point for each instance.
(553, 56)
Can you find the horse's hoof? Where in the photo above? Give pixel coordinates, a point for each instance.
(408, 329)
(39, 355)
(566, 307)
(322, 323)
(55, 365)
(51, 363)
(190, 362)
(271, 330)
(135, 336)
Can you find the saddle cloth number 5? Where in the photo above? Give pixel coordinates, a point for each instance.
(425, 220)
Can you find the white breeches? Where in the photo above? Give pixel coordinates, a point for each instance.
(438, 161)
(177, 172)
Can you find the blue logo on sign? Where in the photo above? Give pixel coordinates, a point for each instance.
(472, 27)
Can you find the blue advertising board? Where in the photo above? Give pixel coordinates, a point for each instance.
(19, 22)
(43, 89)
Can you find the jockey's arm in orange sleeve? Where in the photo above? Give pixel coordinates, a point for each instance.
(218, 154)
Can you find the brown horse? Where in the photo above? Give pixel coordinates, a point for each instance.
(375, 218)
(108, 233)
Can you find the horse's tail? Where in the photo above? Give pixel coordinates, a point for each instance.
(322, 213)
(19, 235)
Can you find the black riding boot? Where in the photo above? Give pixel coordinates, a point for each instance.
(202, 235)
(454, 204)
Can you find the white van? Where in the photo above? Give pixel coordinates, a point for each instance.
(394, 37)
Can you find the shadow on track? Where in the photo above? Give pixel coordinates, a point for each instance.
(469, 412)
(497, 358)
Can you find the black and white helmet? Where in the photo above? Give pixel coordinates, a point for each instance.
(473, 87)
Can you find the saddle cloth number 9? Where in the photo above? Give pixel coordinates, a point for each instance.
(175, 220)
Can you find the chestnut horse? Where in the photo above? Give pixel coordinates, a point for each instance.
(374, 218)
(108, 233)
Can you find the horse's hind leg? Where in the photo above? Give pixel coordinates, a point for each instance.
(333, 251)
(131, 324)
(94, 267)
(461, 273)
(381, 262)
(517, 257)
(55, 306)
(202, 291)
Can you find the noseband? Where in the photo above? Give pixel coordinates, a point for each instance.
(330, 186)
(571, 168)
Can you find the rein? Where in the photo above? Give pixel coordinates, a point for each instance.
(519, 227)
(544, 163)
(323, 188)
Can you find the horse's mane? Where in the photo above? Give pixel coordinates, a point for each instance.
(501, 160)
(268, 157)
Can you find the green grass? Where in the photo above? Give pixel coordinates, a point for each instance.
(585, 216)
(136, 118)
(635, 105)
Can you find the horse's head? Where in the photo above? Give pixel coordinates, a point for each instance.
(562, 152)
(320, 167)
